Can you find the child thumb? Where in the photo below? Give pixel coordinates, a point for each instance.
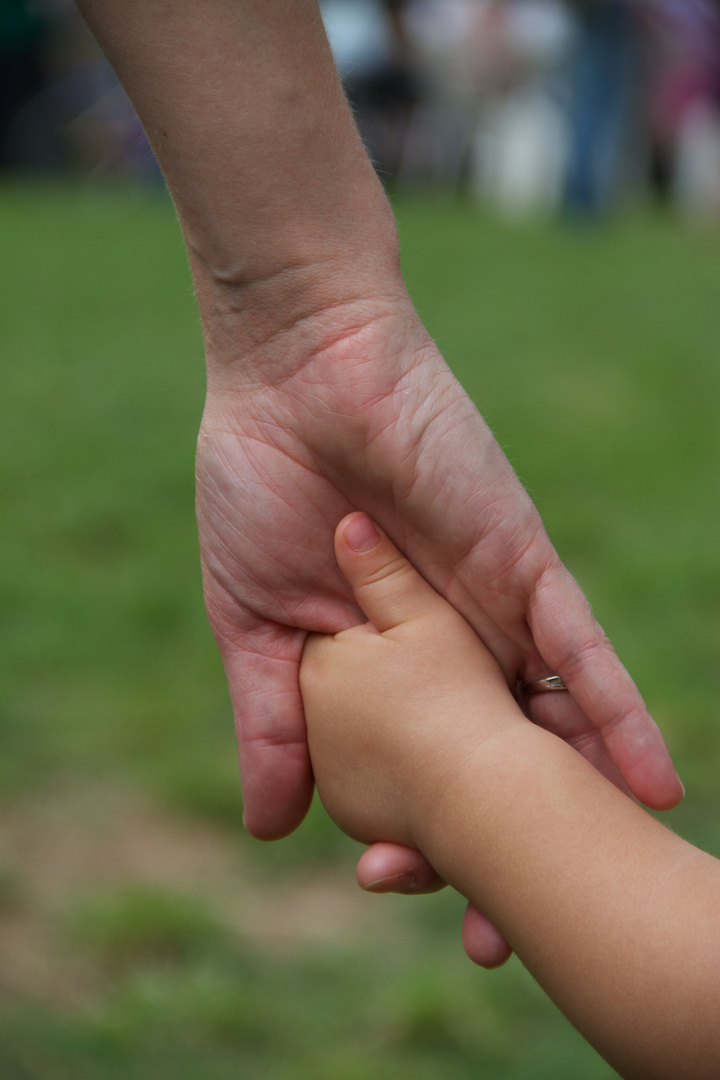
(387, 587)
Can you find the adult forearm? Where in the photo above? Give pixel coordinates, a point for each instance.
(278, 202)
(617, 918)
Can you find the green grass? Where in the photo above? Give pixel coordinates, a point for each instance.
(594, 355)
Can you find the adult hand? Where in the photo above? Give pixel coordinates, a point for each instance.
(372, 419)
(326, 395)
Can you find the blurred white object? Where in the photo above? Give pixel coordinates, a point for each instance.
(521, 153)
(697, 174)
(522, 143)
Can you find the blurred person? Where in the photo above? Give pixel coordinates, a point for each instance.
(603, 93)
(416, 739)
(98, 129)
(684, 102)
(522, 144)
(61, 105)
(491, 112)
(24, 141)
(325, 394)
(369, 46)
(453, 44)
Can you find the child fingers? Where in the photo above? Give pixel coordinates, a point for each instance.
(386, 586)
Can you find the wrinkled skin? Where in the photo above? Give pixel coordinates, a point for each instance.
(374, 420)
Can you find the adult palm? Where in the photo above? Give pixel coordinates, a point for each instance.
(372, 419)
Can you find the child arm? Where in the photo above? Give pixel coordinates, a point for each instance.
(415, 738)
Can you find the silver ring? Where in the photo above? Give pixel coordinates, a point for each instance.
(542, 686)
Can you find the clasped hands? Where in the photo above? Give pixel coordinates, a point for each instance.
(370, 418)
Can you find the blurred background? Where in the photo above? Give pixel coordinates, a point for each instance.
(528, 105)
(555, 171)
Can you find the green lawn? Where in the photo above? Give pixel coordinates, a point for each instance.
(142, 934)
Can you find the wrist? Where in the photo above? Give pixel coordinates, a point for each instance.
(474, 784)
(265, 328)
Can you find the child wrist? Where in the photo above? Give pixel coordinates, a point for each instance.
(471, 781)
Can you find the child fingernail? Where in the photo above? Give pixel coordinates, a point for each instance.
(360, 533)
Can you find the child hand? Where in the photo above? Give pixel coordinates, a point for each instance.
(397, 706)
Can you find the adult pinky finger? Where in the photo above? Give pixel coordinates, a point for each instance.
(392, 868)
(275, 770)
(482, 942)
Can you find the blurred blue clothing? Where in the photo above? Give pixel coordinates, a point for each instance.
(601, 92)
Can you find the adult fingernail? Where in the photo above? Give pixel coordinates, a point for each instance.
(397, 883)
(360, 533)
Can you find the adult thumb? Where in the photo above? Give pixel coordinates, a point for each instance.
(387, 587)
